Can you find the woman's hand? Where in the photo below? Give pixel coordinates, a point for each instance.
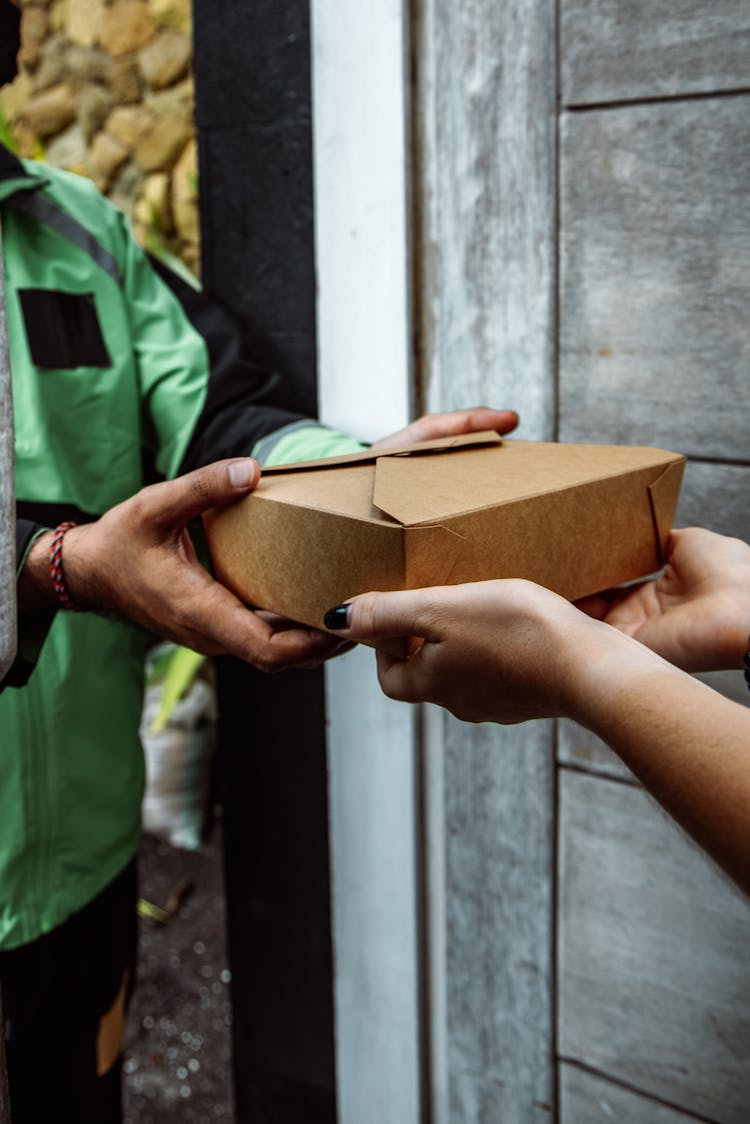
(501, 651)
(697, 614)
(506, 651)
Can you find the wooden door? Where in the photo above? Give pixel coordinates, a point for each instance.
(654, 348)
(577, 247)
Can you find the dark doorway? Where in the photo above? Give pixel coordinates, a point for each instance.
(252, 66)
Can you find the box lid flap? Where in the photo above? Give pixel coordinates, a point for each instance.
(369, 456)
(414, 492)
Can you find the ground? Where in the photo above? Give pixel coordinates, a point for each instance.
(178, 1053)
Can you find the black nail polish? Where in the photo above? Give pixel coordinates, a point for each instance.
(338, 617)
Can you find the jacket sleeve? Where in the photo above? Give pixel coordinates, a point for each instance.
(26, 532)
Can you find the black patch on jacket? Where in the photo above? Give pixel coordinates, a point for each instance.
(63, 329)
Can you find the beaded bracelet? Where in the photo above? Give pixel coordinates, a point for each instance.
(746, 661)
(64, 600)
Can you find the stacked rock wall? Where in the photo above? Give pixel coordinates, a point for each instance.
(105, 89)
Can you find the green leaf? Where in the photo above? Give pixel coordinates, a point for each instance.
(6, 134)
(181, 670)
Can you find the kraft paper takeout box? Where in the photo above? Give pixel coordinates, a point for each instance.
(575, 518)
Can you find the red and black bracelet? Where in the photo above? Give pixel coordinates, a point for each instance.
(64, 600)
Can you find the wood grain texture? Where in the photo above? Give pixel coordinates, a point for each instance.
(653, 966)
(655, 240)
(621, 50)
(485, 205)
(498, 787)
(580, 748)
(7, 498)
(586, 1098)
(484, 213)
(716, 495)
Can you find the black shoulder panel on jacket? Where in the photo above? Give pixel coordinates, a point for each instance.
(245, 401)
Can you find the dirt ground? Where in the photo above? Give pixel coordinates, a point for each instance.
(178, 1052)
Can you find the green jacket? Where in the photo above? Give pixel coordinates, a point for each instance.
(120, 374)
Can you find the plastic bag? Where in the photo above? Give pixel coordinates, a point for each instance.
(178, 731)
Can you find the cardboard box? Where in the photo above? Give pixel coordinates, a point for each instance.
(575, 518)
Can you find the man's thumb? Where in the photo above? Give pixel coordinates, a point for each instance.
(186, 497)
(243, 475)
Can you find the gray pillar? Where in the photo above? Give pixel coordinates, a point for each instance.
(7, 508)
(7, 575)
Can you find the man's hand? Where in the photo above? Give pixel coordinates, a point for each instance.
(432, 426)
(138, 560)
(697, 614)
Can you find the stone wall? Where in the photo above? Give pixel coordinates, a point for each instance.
(105, 89)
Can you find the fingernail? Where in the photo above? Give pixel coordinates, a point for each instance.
(242, 473)
(338, 617)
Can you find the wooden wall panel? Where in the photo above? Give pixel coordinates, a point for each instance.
(655, 244)
(586, 1098)
(653, 349)
(653, 965)
(716, 495)
(580, 748)
(498, 793)
(484, 284)
(621, 50)
(485, 127)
